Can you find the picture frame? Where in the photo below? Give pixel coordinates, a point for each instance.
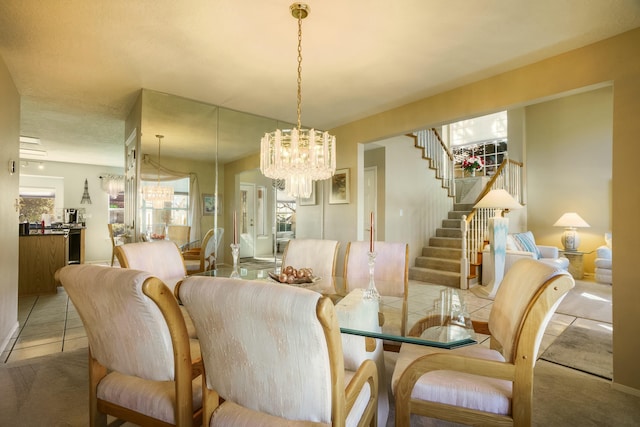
(210, 205)
(339, 191)
(311, 200)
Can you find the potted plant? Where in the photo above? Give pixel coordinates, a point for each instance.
(472, 164)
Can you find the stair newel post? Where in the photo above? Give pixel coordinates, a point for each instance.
(464, 261)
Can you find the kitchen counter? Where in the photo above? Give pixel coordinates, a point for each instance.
(42, 254)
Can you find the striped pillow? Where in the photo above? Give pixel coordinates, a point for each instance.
(526, 242)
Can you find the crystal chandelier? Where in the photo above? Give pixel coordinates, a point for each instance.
(156, 194)
(299, 156)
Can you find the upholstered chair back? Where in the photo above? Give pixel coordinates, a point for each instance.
(179, 234)
(161, 258)
(515, 299)
(261, 342)
(319, 255)
(126, 331)
(391, 268)
(273, 353)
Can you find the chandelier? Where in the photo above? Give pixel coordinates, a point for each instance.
(299, 156)
(156, 194)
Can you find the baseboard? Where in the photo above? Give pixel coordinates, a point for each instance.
(625, 389)
(7, 339)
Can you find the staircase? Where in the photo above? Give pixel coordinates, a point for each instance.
(440, 261)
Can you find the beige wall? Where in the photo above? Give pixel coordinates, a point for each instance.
(616, 61)
(569, 150)
(9, 137)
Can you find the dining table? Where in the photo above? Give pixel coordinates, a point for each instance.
(446, 324)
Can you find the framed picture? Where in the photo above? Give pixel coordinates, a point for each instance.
(210, 205)
(339, 187)
(312, 198)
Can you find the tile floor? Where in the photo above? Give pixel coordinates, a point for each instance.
(50, 324)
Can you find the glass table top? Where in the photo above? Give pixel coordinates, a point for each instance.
(446, 325)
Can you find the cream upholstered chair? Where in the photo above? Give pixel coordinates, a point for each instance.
(319, 255)
(203, 258)
(479, 385)
(162, 258)
(391, 274)
(272, 352)
(143, 368)
(179, 234)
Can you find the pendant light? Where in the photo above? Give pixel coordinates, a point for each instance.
(156, 194)
(299, 156)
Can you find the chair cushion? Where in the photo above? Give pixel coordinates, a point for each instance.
(526, 242)
(455, 388)
(153, 398)
(233, 415)
(603, 263)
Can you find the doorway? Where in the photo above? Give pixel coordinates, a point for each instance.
(247, 229)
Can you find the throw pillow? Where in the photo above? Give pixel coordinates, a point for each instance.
(526, 242)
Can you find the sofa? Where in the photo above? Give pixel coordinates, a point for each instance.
(519, 246)
(604, 261)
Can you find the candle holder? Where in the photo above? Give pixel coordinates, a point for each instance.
(235, 251)
(371, 293)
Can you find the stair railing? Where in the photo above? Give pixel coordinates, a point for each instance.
(439, 156)
(510, 177)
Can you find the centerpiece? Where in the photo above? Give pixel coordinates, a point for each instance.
(472, 164)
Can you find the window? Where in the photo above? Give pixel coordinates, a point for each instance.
(484, 137)
(35, 202)
(285, 212)
(154, 220)
(116, 208)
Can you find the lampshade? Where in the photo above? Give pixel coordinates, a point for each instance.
(498, 199)
(299, 156)
(571, 219)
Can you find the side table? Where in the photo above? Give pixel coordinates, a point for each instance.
(576, 265)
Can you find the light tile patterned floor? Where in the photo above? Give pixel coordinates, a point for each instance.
(50, 323)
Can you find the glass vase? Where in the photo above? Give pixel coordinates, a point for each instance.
(371, 293)
(235, 251)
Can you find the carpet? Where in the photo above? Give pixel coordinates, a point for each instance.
(586, 346)
(588, 300)
(46, 391)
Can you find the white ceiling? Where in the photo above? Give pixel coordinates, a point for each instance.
(79, 65)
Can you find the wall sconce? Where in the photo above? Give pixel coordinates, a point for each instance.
(570, 238)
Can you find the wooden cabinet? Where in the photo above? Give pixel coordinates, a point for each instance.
(40, 256)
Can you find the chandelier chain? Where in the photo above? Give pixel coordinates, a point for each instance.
(299, 111)
(159, 140)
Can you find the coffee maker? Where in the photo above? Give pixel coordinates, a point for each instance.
(70, 216)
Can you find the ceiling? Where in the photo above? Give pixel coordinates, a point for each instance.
(80, 65)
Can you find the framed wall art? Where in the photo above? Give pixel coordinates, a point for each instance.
(340, 182)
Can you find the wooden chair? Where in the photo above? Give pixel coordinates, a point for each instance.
(143, 368)
(203, 258)
(114, 242)
(319, 255)
(179, 234)
(273, 356)
(162, 258)
(484, 386)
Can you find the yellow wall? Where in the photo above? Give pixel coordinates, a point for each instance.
(616, 61)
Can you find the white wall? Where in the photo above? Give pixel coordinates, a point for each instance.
(569, 149)
(9, 137)
(416, 203)
(97, 242)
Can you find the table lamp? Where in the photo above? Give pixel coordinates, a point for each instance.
(499, 200)
(570, 238)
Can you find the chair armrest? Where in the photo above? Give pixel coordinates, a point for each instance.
(366, 373)
(481, 327)
(548, 251)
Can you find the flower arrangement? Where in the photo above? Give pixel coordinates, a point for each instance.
(472, 164)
